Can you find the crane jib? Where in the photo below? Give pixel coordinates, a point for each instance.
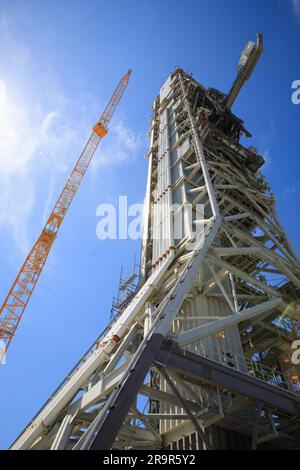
(19, 294)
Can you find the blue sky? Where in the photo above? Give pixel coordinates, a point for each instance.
(59, 63)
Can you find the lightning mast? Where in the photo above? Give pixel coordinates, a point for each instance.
(18, 297)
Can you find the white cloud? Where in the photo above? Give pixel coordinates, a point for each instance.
(296, 7)
(289, 191)
(3, 93)
(17, 50)
(265, 140)
(32, 142)
(42, 132)
(37, 136)
(17, 143)
(120, 148)
(267, 158)
(36, 144)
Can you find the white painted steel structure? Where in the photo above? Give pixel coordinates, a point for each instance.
(228, 292)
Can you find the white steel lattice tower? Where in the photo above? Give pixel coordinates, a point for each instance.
(207, 337)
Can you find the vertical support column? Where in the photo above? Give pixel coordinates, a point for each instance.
(146, 217)
(162, 221)
(192, 418)
(149, 318)
(256, 425)
(200, 154)
(63, 434)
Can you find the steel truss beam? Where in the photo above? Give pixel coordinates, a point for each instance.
(195, 291)
(194, 368)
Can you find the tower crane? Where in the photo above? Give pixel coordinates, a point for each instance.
(19, 294)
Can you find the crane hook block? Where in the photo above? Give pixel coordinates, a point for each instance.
(100, 130)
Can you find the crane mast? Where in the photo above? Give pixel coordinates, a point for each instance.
(18, 297)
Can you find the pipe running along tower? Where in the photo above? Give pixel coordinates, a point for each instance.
(201, 357)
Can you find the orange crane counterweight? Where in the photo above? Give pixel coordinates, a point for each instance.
(18, 297)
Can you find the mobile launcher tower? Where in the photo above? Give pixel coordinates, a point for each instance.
(201, 357)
